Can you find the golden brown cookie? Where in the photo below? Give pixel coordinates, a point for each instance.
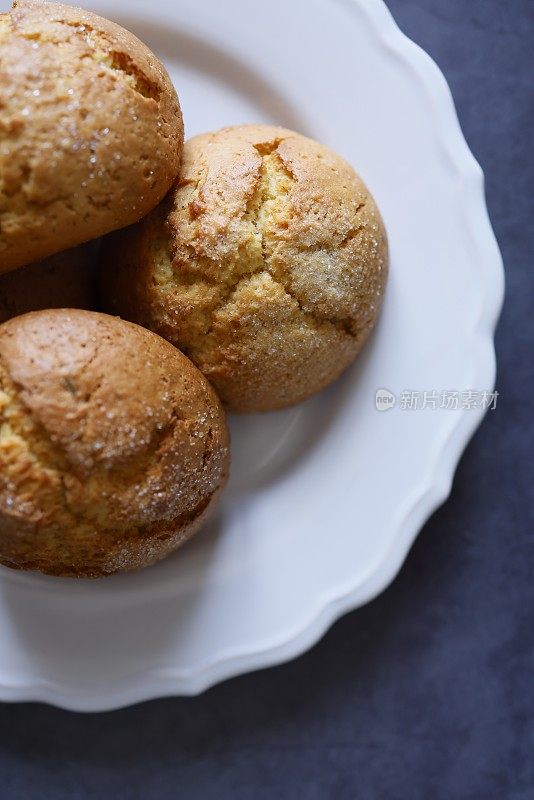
(266, 265)
(91, 131)
(65, 280)
(113, 446)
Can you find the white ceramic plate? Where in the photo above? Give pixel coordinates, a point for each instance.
(325, 499)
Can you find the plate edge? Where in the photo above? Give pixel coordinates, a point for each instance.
(156, 682)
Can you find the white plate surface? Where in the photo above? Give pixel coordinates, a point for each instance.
(325, 499)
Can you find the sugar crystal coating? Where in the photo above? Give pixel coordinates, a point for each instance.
(113, 446)
(75, 89)
(266, 265)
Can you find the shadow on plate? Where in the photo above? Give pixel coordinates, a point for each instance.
(221, 66)
(267, 447)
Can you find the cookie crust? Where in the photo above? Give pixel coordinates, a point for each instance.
(91, 130)
(113, 446)
(266, 265)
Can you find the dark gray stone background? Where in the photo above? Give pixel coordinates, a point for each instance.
(428, 692)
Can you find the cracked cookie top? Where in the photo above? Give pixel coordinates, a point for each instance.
(266, 264)
(91, 130)
(112, 443)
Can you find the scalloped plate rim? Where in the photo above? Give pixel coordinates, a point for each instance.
(160, 682)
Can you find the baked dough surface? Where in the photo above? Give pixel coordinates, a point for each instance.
(266, 265)
(113, 446)
(91, 130)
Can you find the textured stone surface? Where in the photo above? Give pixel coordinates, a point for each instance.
(428, 691)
